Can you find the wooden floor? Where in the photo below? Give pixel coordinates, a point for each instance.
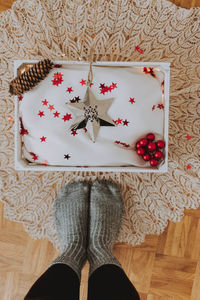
(165, 267)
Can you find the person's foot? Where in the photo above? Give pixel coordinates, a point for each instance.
(106, 210)
(71, 219)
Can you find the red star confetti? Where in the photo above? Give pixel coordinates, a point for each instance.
(188, 137)
(43, 139)
(23, 131)
(45, 102)
(122, 144)
(188, 167)
(118, 121)
(20, 98)
(58, 76)
(137, 48)
(67, 117)
(160, 106)
(34, 156)
(56, 114)
(102, 86)
(83, 82)
(57, 81)
(69, 90)
(41, 114)
(132, 100)
(67, 156)
(153, 107)
(125, 123)
(45, 163)
(74, 132)
(114, 85)
(51, 107)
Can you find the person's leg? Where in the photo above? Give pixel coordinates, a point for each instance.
(71, 219)
(107, 280)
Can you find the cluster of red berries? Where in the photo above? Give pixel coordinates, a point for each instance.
(150, 150)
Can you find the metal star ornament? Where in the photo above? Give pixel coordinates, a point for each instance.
(91, 114)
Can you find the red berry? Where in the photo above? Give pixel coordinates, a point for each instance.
(151, 146)
(160, 144)
(140, 151)
(150, 136)
(138, 145)
(146, 157)
(158, 155)
(153, 162)
(143, 142)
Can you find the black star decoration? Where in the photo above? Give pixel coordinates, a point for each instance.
(67, 156)
(91, 114)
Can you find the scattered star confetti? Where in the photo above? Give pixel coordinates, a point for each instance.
(118, 121)
(69, 90)
(188, 167)
(43, 139)
(23, 131)
(58, 76)
(20, 98)
(91, 114)
(67, 117)
(160, 106)
(57, 81)
(56, 114)
(45, 102)
(188, 137)
(67, 156)
(34, 156)
(41, 114)
(51, 107)
(74, 132)
(153, 107)
(75, 100)
(102, 86)
(125, 122)
(132, 100)
(137, 48)
(83, 82)
(114, 85)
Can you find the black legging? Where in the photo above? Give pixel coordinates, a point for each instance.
(60, 282)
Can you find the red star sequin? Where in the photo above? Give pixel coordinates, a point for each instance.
(137, 48)
(83, 81)
(43, 139)
(102, 86)
(188, 137)
(74, 132)
(51, 107)
(58, 76)
(20, 98)
(125, 123)
(45, 102)
(56, 114)
(69, 90)
(188, 167)
(118, 121)
(41, 114)
(160, 106)
(132, 100)
(153, 107)
(57, 81)
(67, 117)
(114, 85)
(34, 156)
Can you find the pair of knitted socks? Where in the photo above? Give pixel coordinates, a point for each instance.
(88, 218)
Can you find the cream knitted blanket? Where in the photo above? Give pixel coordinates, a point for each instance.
(116, 30)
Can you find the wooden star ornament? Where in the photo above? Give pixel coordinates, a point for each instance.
(91, 114)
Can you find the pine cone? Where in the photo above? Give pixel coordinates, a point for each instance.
(30, 78)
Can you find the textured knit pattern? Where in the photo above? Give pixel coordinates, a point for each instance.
(71, 219)
(106, 209)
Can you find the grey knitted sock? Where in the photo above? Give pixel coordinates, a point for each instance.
(71, 219)
(106, 209)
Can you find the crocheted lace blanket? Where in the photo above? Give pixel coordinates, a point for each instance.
(138, 30)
